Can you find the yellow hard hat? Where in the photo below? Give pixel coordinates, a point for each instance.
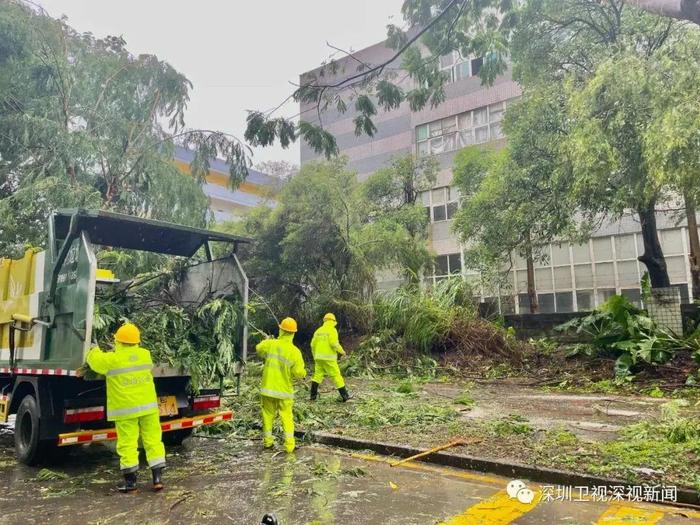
(329, 317)
(128, 334)
(288, 325)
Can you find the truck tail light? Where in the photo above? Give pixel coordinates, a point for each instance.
(206, 401)
(80, 415)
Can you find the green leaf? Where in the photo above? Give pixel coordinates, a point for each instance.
(418, 98)
(623, 365)
(320, 140)
(389, 95)
(364, 125)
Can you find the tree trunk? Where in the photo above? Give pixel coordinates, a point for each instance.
(694, 239)
(681, 9)
(653, 256)
(531, 289)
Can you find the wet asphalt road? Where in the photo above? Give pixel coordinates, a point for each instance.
(214, 481)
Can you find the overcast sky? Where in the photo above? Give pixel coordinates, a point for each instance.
(239, 54)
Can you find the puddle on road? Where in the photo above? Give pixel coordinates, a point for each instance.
(211, 481)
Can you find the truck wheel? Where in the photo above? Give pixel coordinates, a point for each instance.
(29, 449)
(174, 438)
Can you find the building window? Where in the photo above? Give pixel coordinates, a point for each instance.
(471, 127)
(633, 295)
(685, 295)
(604, 294)
(458, 68)
(584, 300)
(583, 276)
(546, 303)
(565, 301)
(524, 303)
(507, 305)
(441, 204)
(448, 264)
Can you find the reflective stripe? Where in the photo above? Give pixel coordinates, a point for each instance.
(280, 358)
(131, 410)
(125, 370)
(275, 393)
(128, 470)
(277, 366)
(268, 434)
(289, 436)
(156, 462)
(326, 357)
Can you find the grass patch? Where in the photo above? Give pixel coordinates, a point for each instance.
(465, 398)
(511, 425)
(376, 406)
(561, 438)
(406, 387)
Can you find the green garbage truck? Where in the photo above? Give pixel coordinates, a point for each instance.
(47, 301)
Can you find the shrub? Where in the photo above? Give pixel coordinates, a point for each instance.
(442, 319)
(628, 333)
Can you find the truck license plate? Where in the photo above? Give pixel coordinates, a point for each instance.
(167, 405)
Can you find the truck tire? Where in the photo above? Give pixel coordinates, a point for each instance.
(29, 449)
(174, 438)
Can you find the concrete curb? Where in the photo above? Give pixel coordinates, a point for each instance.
(502, 468)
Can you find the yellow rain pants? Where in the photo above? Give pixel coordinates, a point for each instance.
(270, 408)
(323, 368)
(128, 431)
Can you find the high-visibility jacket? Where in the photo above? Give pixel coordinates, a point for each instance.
(283, 364)
(325, 343)
(130, 389)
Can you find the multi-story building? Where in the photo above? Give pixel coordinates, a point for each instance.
(574, 277)
(227, 204)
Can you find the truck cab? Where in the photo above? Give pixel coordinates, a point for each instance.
(47, 303)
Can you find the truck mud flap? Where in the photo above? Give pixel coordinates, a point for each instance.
(109, 434)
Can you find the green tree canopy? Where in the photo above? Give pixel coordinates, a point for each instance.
(83, 122)
(391, 197)
(321, 246)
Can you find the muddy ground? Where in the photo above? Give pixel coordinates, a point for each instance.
(613, 435)
(591, 417)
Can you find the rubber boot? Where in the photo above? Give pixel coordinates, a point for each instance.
(269, 519)
(157, 478)
(129, 484)
(314, 390)
(344, 394)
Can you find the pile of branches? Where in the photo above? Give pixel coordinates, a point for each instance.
(197, 338)
(471, 338)
(441, 320)
(386, 352)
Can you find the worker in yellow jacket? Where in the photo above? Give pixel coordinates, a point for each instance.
(283, 364)
(131, 403)
(326, 348)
